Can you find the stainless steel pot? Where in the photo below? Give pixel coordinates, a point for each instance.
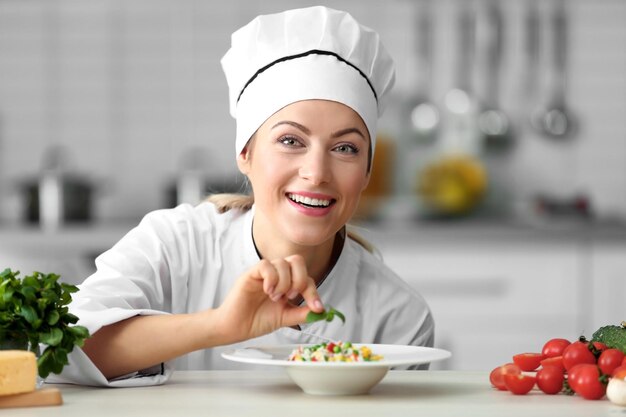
(52, 200)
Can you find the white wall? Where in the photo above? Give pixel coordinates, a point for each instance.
(128, 86)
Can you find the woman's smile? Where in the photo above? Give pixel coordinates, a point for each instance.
(311, 204)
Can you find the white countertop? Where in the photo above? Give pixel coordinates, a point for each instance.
(101, 236)
(271, 393)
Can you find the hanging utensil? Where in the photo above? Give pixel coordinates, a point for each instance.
(493, 122)
(460, 134)
(532, 41)
(424, 114)
(556, 119)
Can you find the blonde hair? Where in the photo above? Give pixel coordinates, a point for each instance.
(225, 202)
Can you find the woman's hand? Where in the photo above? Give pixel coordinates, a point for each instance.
(259, 301)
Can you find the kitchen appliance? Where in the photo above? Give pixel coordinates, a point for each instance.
(198, 178)
(57, 196)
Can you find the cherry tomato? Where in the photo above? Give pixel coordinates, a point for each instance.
(577, 353)
(600, 346)
(555, 347)
(496, 377)
(550, 379)
(519, 384)
(619, 372)
(624, 361)
(585, 380)
(331, 347)
(528, 361)
(554, 361)
(609, 360)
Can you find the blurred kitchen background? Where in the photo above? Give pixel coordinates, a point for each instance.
(499, 187)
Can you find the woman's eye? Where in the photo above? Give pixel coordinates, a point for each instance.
(347, 148)
(289, 141)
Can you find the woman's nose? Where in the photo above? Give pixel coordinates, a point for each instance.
(315, 167)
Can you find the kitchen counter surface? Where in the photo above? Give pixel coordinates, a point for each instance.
(101, 236)
(271, 393)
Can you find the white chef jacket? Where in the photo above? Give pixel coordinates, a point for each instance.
(186, 259)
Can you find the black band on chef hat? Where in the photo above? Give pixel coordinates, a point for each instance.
(311, 52)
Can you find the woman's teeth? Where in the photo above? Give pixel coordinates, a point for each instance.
(313, 202)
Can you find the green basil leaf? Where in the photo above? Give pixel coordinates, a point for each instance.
(45, 363)
(29, 293)
(52, 338)
(8, 295)
(330, 315)
(313, 316)
(327, 315)
(53, 317)
(79, 332)
(340, 315)
(29, 314)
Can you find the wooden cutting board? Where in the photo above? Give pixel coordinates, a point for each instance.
(37, 398)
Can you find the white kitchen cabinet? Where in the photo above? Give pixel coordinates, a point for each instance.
(492, 296)
(607, 303)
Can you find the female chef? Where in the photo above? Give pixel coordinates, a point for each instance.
(306, 88)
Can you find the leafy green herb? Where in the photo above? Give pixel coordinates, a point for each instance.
(34, 310)
(327, 315)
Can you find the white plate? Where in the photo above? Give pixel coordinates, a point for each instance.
(337, 378)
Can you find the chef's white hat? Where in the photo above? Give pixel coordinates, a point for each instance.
(309, 53)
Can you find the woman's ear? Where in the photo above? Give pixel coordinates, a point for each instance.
(243, 161)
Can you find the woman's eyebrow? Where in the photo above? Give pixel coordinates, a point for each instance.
(294, 124)
(347, 131)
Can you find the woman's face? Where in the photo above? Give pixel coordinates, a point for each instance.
(307, 165)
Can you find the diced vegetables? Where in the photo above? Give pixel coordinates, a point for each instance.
(334, 352)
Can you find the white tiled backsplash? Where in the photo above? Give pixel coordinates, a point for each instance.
(129, 87)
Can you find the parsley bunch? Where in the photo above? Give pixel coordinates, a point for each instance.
(33, 310)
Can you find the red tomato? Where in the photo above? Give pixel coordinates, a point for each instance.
(528, 361)
(585, 380)
(555, 347)
(624, 361)
(600, 346)
(519, 384)
(577, 353)
(550, 379)
(619, 372)
(609, 360)
(330, 347)
(554, 361)
(496, 377)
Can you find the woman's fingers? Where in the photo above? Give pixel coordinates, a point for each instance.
(268, 273)
(284, 283)
(302, 283)
(288, 278)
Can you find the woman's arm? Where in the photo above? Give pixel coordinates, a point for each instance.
(143, 341)
(256, 305)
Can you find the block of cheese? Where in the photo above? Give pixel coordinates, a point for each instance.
(18, 371)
